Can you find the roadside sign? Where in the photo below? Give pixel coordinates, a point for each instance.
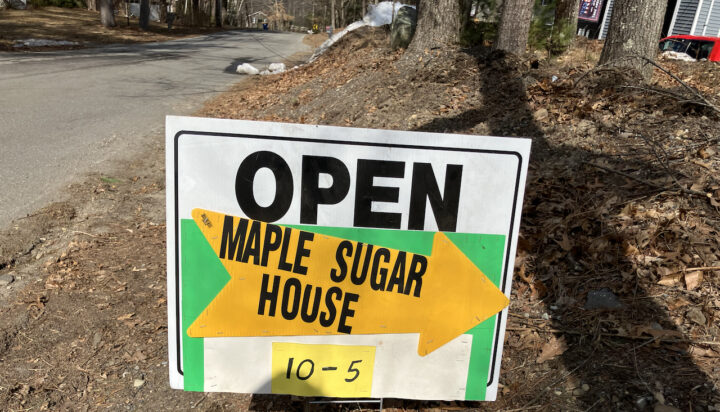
(328, 261)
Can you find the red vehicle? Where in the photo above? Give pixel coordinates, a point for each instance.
(697, 47)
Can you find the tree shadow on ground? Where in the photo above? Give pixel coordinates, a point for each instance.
(628, 358)
(576, 237)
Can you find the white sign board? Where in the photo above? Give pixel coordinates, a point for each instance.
(341, 262)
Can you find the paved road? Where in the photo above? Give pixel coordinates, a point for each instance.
(63, 114)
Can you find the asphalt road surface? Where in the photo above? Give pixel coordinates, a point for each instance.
(64, 114)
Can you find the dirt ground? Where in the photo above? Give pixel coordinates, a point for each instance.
(315, 40)
(82, 26)
(623, 197)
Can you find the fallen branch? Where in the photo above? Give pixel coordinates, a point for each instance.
(651, 184)
(702, 268)
(629, 176)
(664, 163)
(609, 66)
(680, 98)
(692, 90)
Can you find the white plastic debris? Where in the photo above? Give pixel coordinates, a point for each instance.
(247, 68)
(43, 42)
(673, 55)
(382, 13)
(273, 68)
(378, 15)
(276, 67)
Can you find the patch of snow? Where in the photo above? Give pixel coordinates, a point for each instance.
(273, 68)
(378, 15)
(672, 55)
(43, 42)
(247, 68)
(276, 67)
(382, 13)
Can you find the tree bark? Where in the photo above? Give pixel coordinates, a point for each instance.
(566, 20)
(144, 18)
(438, 25)
(238, 14)
(514, 26)
(465, 9)
(195, 12)
(342, 13)
(634, 32)
(107, 13)
(218, 13)
(332, 15)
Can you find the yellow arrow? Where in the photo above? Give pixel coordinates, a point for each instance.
(288, 282)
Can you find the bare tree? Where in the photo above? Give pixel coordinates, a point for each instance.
(107, 13)
(566, 20)
(144, 18)
(633, 35)
(218, 13)
(438, 25)
(332, 14)
(514, 26)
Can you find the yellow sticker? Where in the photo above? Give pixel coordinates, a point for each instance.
(322, 370)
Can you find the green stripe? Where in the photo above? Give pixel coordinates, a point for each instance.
(486, 252)
(203, 276)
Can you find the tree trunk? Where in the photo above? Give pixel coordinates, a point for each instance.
(195, 12)
(634, 32)
(514, 26)
(438, 25)
(144, 18)
(332, 15)
(566, 19)
(91, 5)
(465, 9)
(238, 13)
(218, 13)
(342, 13)
(107, 13)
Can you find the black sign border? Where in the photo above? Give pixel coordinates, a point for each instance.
(178, 328)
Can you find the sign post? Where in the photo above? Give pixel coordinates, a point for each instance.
(328, 261)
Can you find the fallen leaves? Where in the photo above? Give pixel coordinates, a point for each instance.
(693, 279)
(584, 228)
(553, 348)
(671, 280)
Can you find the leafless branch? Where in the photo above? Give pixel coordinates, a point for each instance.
(692, 90)
(665, 165)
